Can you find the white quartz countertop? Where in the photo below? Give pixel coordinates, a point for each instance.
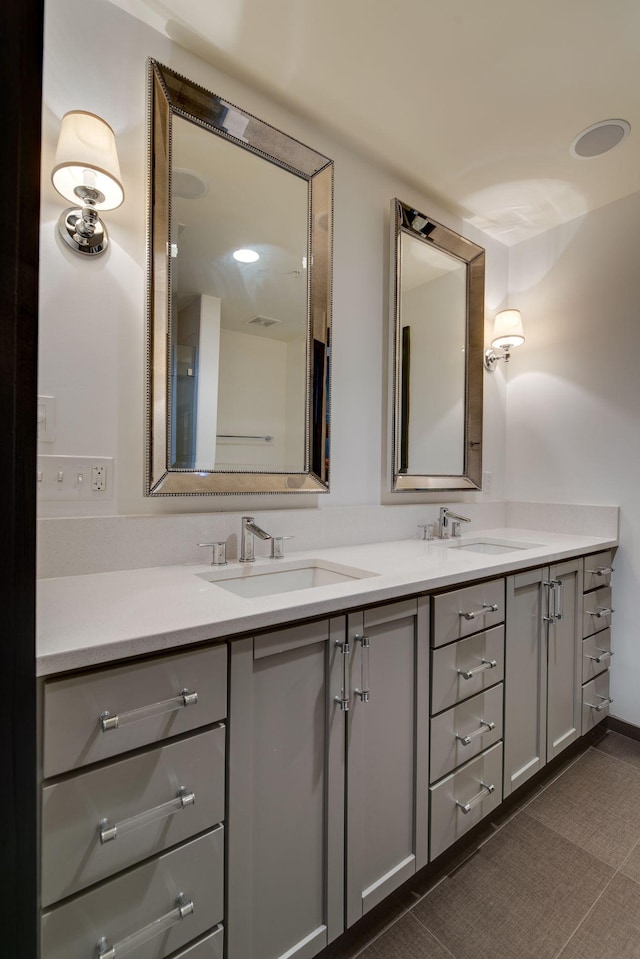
(87, 620)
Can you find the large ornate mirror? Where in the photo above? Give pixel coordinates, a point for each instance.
(437, 320)
(239, 299)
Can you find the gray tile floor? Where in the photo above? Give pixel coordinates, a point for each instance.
(559, 878)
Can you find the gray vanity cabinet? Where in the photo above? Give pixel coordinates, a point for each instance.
(387, 751)
(543, 667)
(286, 792)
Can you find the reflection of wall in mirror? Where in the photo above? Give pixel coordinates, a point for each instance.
(436, 312)
(261, 392)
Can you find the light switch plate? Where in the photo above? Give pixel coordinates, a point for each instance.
(80, 478)
(46, 419)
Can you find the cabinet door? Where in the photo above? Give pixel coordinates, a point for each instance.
(286, 793)
(525, 678)
(564, 657)
(387, 751)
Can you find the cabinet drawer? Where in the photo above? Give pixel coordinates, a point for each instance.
(461, 733)
(146, 699)
(128, 905)
(212, 947)
(458, 670)
(597, 570)
(465, 788)
(595, 701)
(594, 648)
(73, 855)
(464, 611)
(597, 610)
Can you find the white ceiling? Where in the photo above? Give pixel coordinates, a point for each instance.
(474, 102)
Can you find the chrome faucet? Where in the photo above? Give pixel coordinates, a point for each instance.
(247, 543)
(443, 521)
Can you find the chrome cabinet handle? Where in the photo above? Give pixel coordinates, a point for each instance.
(604, 654)
(483, 728)
(602, 571)
(558, 588)
(364, 691)
(554, 601)
(108, 831)
(182, 909)
(491, 607)
(344, 700)
(470, 673)
(107, 721)
(600, 706)
(601, 611)
(486, 790)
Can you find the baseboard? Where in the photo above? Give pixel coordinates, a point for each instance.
(625, 729)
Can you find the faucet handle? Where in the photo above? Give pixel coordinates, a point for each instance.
(277, 546)
(219, 557)
(427, 530)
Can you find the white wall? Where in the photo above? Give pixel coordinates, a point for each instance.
(93, 313)
(573, 411)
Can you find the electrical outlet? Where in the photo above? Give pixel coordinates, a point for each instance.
(98, 479)
(487, 481)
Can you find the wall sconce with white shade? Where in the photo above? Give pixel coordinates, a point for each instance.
(86, 169)
(507, 334)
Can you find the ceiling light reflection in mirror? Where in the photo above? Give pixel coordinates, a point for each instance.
(239, 290)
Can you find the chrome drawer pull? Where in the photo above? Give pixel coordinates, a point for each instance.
(364, 691)
(485, 791)
(601, 571)
(490, 607)
(604, 654)
(483, 728)
(182, 909)
(186, 698)
(109, 831)
(601, 611)
(470, 673)
(603, 705)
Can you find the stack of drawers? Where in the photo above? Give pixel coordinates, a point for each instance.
(596, 643)
(467, 672)
(134, 760)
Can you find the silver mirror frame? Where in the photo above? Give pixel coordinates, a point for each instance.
(441, 237)
(169, 95)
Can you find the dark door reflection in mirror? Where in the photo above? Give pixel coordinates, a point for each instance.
(437, 320)
(239, 346)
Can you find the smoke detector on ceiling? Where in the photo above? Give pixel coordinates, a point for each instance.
(599, 138)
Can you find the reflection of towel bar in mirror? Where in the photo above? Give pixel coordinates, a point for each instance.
(243, 436)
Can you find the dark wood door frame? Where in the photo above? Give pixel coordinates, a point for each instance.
(21, 82)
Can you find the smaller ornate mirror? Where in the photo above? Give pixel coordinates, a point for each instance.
(437, 330)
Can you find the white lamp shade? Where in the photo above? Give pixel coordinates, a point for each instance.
(507, 330)
(87, 156)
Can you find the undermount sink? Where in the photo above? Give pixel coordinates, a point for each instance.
(252, 582)
(491, 546)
